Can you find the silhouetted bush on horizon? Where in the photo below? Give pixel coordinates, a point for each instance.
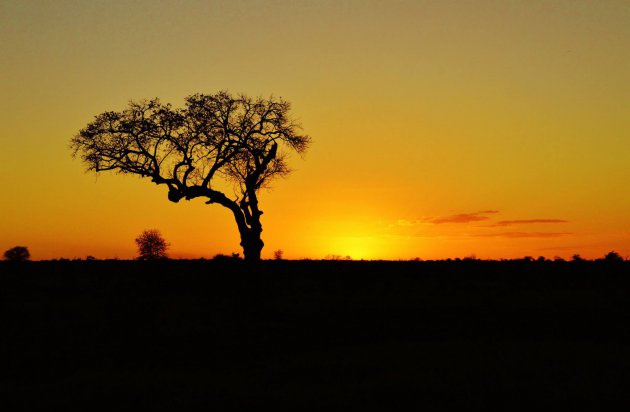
(152, 245)
(613, 257)
(221, 257)
(17, 254)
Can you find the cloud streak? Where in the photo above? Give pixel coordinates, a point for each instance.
(504, 223)
(525, 235)
(463, 217)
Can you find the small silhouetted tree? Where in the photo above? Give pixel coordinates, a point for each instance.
(17, 254)
(194, 151)
(577, 258)
(613, 257)
(151, 245)
(278, 254)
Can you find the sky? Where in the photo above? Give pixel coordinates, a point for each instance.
(493, 128)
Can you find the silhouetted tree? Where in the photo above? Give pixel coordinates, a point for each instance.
(151, 245)
(613, 257)
(278, 254)
(577, 258)
(17, 254)
(194, 151)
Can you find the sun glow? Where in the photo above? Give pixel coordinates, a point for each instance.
(356, 247)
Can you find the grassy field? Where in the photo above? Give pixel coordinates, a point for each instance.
(313, 335)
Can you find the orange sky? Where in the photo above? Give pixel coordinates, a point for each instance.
(440, 128)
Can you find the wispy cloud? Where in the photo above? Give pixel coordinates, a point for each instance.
(480, 216)
(463, 217)
(524, 235)
(503, 223)
(407, 223)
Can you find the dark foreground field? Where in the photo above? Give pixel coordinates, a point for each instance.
(313, 335)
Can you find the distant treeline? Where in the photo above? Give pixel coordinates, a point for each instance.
(609, 257)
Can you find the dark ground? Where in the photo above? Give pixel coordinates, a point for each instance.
(313, 335)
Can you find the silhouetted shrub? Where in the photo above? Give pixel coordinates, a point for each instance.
(577, 258)
(222, 257)
(338, 257)
(278, 254)
(17, 254)
(613, 257)
(151, 245)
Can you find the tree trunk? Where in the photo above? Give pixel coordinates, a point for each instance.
(252, 245)
(247, 217)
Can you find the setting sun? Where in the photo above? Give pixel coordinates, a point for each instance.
(357, 248)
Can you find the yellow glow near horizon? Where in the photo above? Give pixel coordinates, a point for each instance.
(357, 248)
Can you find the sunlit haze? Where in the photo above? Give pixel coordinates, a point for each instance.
(439, 129)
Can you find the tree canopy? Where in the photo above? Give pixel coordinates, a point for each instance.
(214, 139)
(151, 245)
(17, 254)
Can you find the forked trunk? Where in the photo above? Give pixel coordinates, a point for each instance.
(247, 217)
